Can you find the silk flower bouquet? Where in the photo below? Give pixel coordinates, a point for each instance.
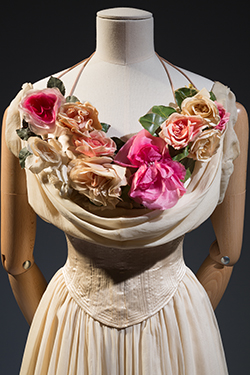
(66, 145)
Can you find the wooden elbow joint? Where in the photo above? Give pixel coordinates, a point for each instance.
(18, 231)
(224, 259)
(17, 267)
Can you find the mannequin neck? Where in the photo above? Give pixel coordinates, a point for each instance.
(124, 35)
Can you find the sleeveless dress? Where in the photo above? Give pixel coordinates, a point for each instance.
(125, 303)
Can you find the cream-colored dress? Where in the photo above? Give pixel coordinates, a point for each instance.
(125, 302)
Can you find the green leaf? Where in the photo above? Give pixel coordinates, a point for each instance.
(25, 124)
(23, 154)
(163, 111)
(26, 133)
(212, 96)
(184, 93)
(119, 143)
(181, 155)
(189, 164)
(56, 82)
(151, 122)
(72, 99)
(105, 127)
(125, 193)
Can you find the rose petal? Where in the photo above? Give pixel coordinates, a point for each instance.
(141, 148)
(40, 107)
(179, 130)
(157, 186)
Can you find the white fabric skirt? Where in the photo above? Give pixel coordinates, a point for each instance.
(181, 339)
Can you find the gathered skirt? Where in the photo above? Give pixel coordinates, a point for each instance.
(181, 339)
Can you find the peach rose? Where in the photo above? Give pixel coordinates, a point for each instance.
(178, 130)
(97, 179)
(206, 145)
(79, 117)
(201, 105)
(94, 143)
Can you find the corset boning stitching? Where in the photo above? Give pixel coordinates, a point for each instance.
(123, 287)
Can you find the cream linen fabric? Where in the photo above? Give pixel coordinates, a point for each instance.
(135, 228)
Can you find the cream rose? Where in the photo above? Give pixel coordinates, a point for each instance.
(201, 105)
(206, 145)
(79, 117)
(97, 179)
(44, 154)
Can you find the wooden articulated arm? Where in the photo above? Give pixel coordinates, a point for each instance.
(228, 222)
(18, 230)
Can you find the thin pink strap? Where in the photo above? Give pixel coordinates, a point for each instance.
(69, 69)
(178, 69)
(169, 77)
(85, 62)
(79, 74)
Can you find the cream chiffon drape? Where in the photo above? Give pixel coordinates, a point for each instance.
(123, 228)
(125, 303)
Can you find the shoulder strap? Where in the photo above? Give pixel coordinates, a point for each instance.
(162, 60)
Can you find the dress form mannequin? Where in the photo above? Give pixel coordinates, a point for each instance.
(125, 78)
(123, 83)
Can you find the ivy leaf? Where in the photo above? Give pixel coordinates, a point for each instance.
(187, 175)
(151, 122)
(125, 193)
(182, 155)
(26, 133)
(184, 93)
(212, 96)
(72, 99)
(119, 143)
(163, 111)
(23, 154)
(189, 165)
(56, 82)
(105, 127)
(25, 124)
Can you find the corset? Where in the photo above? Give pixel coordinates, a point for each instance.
(122, 287)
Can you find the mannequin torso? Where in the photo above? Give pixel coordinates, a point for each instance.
(123, 81)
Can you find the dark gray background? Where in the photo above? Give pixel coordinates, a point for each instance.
(209, 38)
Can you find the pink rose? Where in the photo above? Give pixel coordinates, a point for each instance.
(224, 117)
(40, 108)
(158, 185)
(178, 130)
(157, 182)
(140, 149)
(94, 143)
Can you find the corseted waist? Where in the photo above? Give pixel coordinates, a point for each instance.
(120, 287)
